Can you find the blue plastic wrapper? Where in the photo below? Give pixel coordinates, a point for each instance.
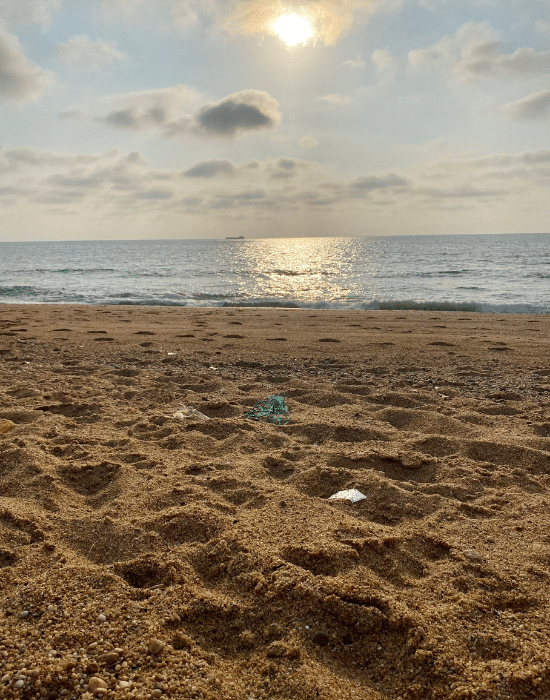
(271, 410)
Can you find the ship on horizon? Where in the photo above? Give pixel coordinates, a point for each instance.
(234, 238)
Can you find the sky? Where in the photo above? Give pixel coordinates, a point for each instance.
(144, 119)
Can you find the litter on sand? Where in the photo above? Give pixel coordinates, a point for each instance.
(187, 412)
(271, 410)
(352, 495)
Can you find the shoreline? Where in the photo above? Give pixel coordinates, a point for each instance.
(121, 524)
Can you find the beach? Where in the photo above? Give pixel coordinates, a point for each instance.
(149, 555)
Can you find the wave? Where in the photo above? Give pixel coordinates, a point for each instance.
(18, 290)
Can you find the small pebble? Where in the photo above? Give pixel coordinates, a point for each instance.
(19, 683)
(155, 646)
(473, 556)
(110, 658)
(95, 684)
(24, 614)
(101, 618)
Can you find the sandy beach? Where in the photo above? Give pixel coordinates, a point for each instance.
(144, 555)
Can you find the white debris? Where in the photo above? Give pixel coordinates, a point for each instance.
(187, 412)
(352, 495)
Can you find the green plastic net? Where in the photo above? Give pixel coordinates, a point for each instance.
(271, 410)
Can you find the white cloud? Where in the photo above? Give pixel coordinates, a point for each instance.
(336, 99)
(476, 51)
(384, 62)
(91, 53)
(113, 187)
(357, 62)
(20, 80)
(535, 106)
(308, 141)
(29, 11)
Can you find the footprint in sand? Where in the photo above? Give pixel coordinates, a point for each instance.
(276, 338)
(144, 333)
(329, 340)
(94, 332)
(240, 337)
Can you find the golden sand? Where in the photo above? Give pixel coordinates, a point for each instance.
(144, 556)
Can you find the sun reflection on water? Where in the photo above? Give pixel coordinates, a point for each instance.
(298, 269)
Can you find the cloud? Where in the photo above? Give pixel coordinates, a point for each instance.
(308, 141)
(535, 106)
(139, 111)
(29, 11)
(476, 51)
(94, 54)
(167, 110)
(155, 194)
(99, 192)
(336, 99)
(248, 110)
(161, 14)
(357, 62)
(374, 182)
(211, 168)
(384, 62)
(20, 80)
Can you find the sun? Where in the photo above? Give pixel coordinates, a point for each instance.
(293, 29)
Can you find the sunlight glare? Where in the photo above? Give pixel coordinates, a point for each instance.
(293, 29)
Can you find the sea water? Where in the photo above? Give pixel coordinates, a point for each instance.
(500, 273)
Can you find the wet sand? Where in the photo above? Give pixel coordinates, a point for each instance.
(146, 556)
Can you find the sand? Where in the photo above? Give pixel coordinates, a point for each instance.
(143, 556)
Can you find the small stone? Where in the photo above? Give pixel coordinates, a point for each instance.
(6, 425)
(155, 646)
(92, 667)
(110, 658)
(24, 614)
(19, 684)
(101, 618)
(473, 556)
(156, 693)
(97, 684)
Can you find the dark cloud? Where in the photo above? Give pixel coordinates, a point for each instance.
(154, 194)
(135, 119)
(372, 182)
(247, 110)
(211, 168)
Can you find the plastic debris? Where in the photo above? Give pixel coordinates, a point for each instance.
(187, 412)
(271, 410)
(352, 495)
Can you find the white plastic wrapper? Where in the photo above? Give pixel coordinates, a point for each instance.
(187, 412)
(352, 495)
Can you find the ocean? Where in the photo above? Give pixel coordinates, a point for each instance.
(508, 273)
